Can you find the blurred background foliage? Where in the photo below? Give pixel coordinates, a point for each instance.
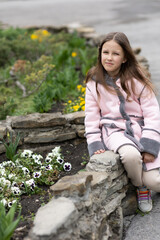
(38, 69)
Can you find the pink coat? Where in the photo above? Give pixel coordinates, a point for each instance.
(111, 122)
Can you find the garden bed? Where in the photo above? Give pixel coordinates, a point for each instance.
(75, 153)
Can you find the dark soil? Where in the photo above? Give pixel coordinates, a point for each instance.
(74, 152)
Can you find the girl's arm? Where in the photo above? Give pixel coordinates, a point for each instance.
(92, 121)
(150, 138)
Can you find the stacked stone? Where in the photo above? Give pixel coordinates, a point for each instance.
(87, 205)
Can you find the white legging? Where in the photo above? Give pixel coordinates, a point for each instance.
(132, 161)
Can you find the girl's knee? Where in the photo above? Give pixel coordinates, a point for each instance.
(151, 180)
(130, 154)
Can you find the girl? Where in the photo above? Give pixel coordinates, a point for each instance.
(122, 115)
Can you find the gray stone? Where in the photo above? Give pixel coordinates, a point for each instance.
(37, 120)
(57, 135)
(3, 130)
(54, 215)
(77, 117)
(103, 162)
(72, 185)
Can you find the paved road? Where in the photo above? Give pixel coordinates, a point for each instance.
(138, 19)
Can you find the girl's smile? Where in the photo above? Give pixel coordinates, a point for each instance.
(112, 56)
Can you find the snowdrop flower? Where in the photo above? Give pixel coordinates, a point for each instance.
(49, 167)
(11, 203)
(37, 174)
(26, 153)
(4, 202)
(15, 190)
(25, 170)
(60, 160)
(48, 159)
(67, 166)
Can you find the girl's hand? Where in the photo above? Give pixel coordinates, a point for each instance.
(99, 151)
(147, 157)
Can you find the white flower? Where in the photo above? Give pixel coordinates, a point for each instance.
(31, 183)
(16, 190)
(4, 201)
(11, 176)
(17, 162)
(37, 174)
(50, 155)
(5, 182)
(2, 172)
(8, 163)
(67, 166)
(14, 184)
(48, 159)
(26, 153)
(60, 160)
(2, 180)
(25, 170)
(56, 151)
(49, 167)
(37, 157)
(11, 203)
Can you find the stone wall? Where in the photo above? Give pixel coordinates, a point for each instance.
(88, 205)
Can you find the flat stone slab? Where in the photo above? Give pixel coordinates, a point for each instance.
(53, 215)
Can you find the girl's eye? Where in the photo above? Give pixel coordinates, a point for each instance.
(105, 52)
(116, 54)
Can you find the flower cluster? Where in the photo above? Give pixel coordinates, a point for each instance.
(27, 172)
(79, 103)
(40, 35)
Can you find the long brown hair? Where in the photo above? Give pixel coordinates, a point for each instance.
(129, 70)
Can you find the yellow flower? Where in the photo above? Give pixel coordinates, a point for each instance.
(75, 108)
(83, 89)
(83, 108)
(45, 32)
(82, 103)
(74, 54)
(34, 36)
(69, 101)
(79, 87)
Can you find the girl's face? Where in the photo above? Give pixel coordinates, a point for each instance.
(112, 56)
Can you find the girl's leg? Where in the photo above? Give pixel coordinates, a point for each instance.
(132, 161)
(151, 179)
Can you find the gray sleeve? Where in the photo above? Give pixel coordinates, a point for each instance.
(150, 146)
(93, 147)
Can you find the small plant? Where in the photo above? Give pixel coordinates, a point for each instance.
(28, 171)
(11, 146)
(77, 104)
(7, 222)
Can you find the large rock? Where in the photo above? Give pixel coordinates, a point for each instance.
(38, 120)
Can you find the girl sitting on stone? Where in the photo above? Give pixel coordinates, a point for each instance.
(122, 114)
